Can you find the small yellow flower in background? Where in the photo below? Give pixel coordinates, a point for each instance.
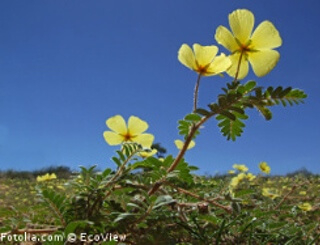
(241, 176)
(147, 153)
(305, 206)
(264, 167)
(270, 182)
(240, 167)
(203, 59)
(271, 193)
(250, 176)
(132, 133)
(179, 144)
(303, 193)
(61, 187)
(46, 177)
(256, 48)
(234, 182)
(231, 172)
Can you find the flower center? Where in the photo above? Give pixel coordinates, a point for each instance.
(202, 69)
(245, 48)
(127, 137)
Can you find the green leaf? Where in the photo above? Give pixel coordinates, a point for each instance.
(210, 218)
(230, 128)
(193, 117)
(202, 112)
(117, 161)
(214, 107)
(244, 192)
(265, 112)
(237, 109)
(56, 202)
(284, 92)
(228, 114)
(163, 200)
(250, 85)
(185, 127)
(277, 92)
(106, 172)
(222, 100)
(72, 226)
(124, 216)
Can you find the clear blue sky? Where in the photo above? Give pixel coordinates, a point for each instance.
(67, 66)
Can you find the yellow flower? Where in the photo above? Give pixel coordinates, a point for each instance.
(303, 193)
(264, 167)
(305, 206)
(147, 153)
(132, 133)
(61, 187)
(271, 193)
(256, 48)
(231, 172)
(203, 59)
(46, 177)
(241, 176)
(234, 182)
(179, 144)
(250, 176)
(240, 167)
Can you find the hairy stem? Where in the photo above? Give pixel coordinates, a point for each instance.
(196, 92)
(294, 187)
(213, 202)
(193, 130)
(112, 181)
(238, 67)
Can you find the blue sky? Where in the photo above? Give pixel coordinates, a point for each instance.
(67, 66)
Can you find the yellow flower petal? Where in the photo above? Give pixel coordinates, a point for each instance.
(250, 177)
(186, 57)
(240, 167)
(117, 124)
(271, 193)
(263, 61)
(264, 167)
(241, 176)
(244, 66)
(145, 140)
(241, 22)
(136, 126)
(53, 176)
(204, 54)
(220, 64)
(179, 144)
(46, 177)
(305, 206)
(146, 154)
(191, 144)
(225, 38)
(234, 182)
(113, 138)
(266, 36)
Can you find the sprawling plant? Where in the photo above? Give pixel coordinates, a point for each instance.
(154, 200)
